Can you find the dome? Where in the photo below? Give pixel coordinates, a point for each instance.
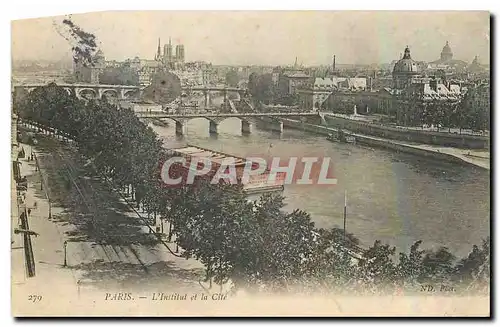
(446, 54)
(406, 65)
(446, 48)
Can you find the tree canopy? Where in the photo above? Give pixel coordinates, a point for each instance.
(165, 88)
(83, 44)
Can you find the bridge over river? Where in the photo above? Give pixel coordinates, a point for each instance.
(270, 118)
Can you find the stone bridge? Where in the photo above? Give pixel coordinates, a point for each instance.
(222, 89)
(271, 119)
(90, 91)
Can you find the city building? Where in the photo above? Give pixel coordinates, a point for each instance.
(411, 92)
(209, 76)
(476, 67)
(168, 58)
(446, 61)
(332, 93)
(414, 90)
(90, 73)
(412, 103)
(404, 72)
(478, 97)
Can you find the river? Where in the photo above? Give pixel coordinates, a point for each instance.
(392, 197)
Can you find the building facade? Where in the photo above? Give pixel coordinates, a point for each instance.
(405, 70)
(446, 62)
(168, 58)
(332, 93)
(90, 73)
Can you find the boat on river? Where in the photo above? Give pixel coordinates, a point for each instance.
(256, 184)
(342, 136)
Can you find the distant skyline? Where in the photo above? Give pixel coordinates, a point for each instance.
(266, 37)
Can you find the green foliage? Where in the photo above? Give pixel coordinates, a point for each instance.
(232, 78)
(437, 266)
(261, 87)
(475, 109)
(410, 265)
(84, 44)
(471, 111)
(376, 269)
(165, 88)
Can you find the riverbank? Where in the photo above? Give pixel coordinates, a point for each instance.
(402, 134)
(476, 158)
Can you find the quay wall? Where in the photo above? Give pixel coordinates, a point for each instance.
(378, 142)
(418, 136)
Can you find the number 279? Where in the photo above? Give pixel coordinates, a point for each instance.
(35, 298)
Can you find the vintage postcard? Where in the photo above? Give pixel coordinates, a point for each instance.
(251, 163)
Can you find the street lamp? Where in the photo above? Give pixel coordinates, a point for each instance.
(65, 246)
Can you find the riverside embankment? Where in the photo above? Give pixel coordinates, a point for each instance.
(456, 140)
(435, 152)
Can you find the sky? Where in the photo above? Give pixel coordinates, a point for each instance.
(265, 37)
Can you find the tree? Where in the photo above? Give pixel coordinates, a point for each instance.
(284, 243)
(214, 225)
(261, 87)
(253, 84)
(331, 267)
(437, 266)
(232, 78)
(84, 44)
(409, 268)
(376, 270)
(475, 108)
(474, 270)
(165, 88)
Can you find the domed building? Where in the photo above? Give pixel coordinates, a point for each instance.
(475, 66)
(446, 53)
(405, 70)
(446, 61)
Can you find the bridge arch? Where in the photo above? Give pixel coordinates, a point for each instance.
(108, 93)
(129, 93)
(83, 91)
(218, 120)
(175, 120)
(246, 124)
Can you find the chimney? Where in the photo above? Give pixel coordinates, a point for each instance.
(333, 63)
(371, 84)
